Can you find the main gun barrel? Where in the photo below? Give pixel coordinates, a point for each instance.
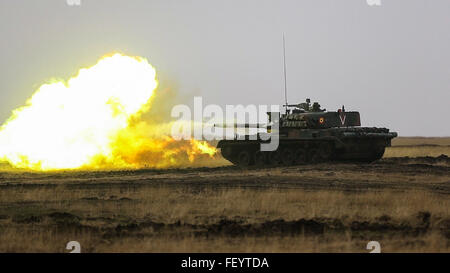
(240, 125)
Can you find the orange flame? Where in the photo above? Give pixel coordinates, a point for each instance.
(94, 121)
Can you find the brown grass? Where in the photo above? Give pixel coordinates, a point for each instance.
(326, 208)
(418, 147)
(93, 217)
(412, 141)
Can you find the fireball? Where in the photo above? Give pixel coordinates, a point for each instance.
(93, 120)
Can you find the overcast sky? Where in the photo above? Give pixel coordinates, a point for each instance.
(390, 62)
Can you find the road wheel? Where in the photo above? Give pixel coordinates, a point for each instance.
(274, 158)
(325, 152)
(260, 158)
(300, 156)
(313, 155)
(226, 151)
(287, 157)
(244, 159)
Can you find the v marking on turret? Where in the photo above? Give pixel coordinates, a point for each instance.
(342, 116)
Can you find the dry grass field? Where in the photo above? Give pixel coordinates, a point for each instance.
(401, 201)
(418, 147)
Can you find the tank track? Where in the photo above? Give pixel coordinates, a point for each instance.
(298, 152)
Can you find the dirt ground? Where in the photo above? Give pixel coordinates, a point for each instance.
(402, 201)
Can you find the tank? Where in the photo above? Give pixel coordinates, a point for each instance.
(308, 135)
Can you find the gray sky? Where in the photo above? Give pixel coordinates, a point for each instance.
(390, 62)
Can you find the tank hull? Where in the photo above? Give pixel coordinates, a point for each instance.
(307, 146)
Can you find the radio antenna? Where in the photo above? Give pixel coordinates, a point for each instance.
(284, 72)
